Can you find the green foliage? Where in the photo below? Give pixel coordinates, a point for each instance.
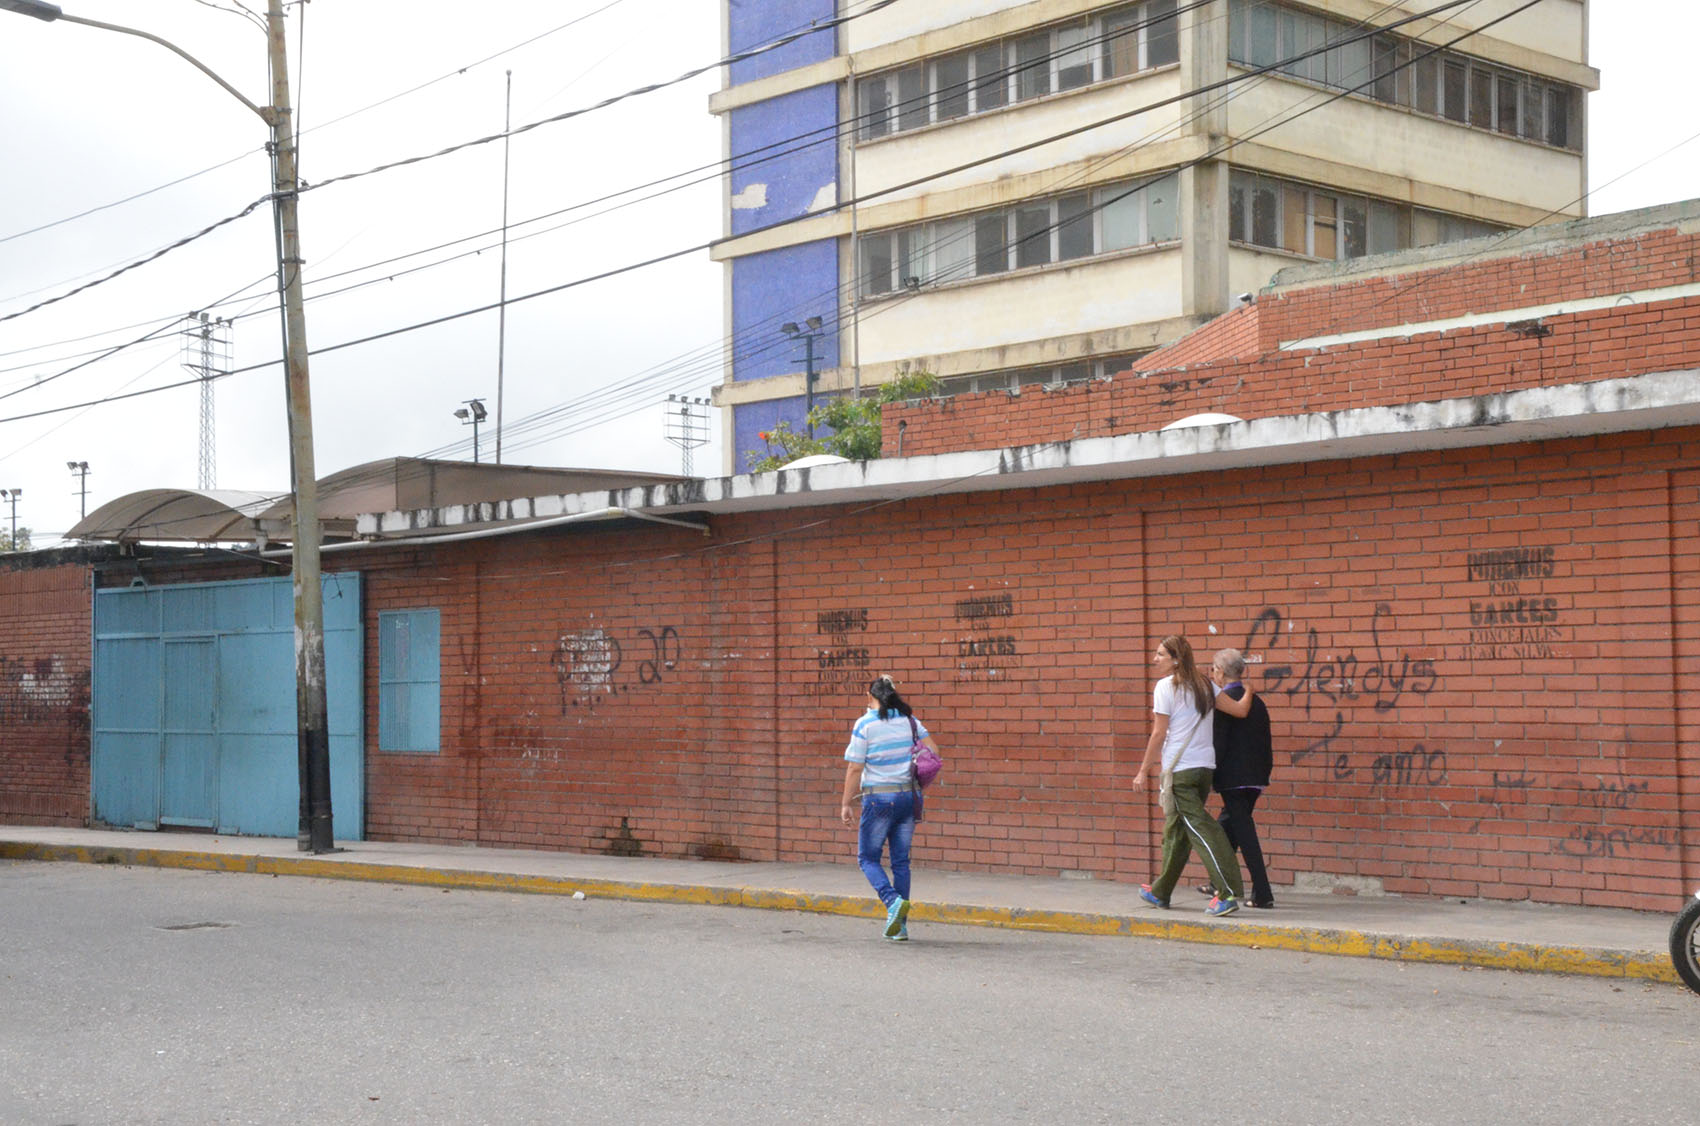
(23, 543)
(854, 424)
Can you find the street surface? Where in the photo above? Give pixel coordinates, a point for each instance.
(157, 996)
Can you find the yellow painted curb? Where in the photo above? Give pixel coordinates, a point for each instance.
(1529, 957)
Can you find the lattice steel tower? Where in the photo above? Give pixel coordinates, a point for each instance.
(206, 352)
(686, 425)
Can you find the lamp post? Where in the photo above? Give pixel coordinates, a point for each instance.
(81, 469)
(808, 336)
(12, 495)
(471, 415)
(312, 730)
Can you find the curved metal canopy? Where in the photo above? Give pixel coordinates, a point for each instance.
(188, 515)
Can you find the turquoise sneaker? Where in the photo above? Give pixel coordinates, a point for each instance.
(902, 935)
(895, 916)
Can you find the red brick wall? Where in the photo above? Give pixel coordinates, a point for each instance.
(1473, 660)
(1477, 663)
(44, 695)
(1581, 347)
(1564, 272)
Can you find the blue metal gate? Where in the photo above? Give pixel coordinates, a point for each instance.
(193, 695)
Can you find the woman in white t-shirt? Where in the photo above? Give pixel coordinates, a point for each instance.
(1183, 744)
(877, 767)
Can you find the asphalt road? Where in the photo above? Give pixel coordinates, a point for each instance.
(149, 996)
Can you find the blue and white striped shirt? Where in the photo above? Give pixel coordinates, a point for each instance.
(882, 747)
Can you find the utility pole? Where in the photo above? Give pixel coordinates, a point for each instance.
(312, 714)
(81, 469)
(312, 732)
(685, 427)
(206, 352)
(12, 495)
(808, 336)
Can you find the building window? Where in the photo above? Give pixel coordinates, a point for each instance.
(1399, 71)
(1101, 367)
(1332, 225)
(1034, 233)
(409, 681)
(1121, 41)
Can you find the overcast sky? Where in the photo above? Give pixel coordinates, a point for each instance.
(91, 118)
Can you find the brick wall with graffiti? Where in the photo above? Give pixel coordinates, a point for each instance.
(44, 695)
(1475, 662)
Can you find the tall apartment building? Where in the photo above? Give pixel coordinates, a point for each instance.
(1012, 193)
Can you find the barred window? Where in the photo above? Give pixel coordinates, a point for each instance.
(1399, 71)
(1033, 233)
(1121, 41)
(1320, 223)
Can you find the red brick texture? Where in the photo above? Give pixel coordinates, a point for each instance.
(1473, 660)
(44, 695)
(1236, 367)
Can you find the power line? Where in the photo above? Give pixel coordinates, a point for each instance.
(1255, 73)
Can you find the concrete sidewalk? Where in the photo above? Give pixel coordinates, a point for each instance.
(1519, 936)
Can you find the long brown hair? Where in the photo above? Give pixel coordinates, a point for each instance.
(1187, 674)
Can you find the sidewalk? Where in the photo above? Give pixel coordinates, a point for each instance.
(1518, 936)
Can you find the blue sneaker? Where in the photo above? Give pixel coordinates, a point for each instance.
(902, 935)
(1150, 896)
(895, 917)
(1222, 906)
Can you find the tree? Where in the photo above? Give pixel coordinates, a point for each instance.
(22, 544)
(854, 422)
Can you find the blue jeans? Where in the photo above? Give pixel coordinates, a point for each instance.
(887, 819)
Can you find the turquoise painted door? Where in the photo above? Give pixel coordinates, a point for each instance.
(194, 707)
(188, 787)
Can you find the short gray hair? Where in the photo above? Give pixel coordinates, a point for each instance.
(1231, 661)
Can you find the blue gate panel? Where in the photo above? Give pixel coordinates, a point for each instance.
(194, 706)
(259, 792)
(126, 779)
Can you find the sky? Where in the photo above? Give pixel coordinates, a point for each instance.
(91, 118)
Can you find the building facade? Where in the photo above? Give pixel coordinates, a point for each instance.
(1456, 530)
(1016, 194)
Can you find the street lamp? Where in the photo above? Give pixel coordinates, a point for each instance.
(80, 468)
(471, 415)
(808, 336)
(12, 495)
(312, 730)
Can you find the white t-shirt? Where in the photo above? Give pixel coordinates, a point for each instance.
(1197, 734)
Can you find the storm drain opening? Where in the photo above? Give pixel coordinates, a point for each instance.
(196, 926)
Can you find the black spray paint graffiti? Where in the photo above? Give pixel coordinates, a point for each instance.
(1587, 840)
(841, 666)
(983, 655)
(588, 664)
(1516, 619)
(43, 691)
(1341, 682)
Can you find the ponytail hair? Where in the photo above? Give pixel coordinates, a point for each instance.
(884, 690)
(1187, 674)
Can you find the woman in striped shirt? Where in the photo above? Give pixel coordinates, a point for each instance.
(877, 764)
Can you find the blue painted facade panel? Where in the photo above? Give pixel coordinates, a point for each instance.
(750, 23)
(769, 289)
(789, 284)
(784, 158)
(193, 697)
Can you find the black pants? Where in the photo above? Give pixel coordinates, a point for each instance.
(1242, 834)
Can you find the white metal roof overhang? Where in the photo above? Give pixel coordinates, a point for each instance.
(1642, 402)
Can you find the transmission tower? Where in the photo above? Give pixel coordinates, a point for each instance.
(686, 426)
(206, 353)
